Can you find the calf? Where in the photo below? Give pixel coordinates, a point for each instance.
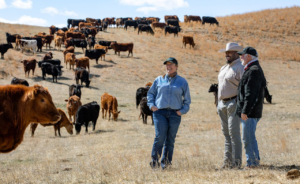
(118, 47)
(210, 20)
(58, 42)
(91, 42)
(85, 114)
(63, 122)
(109, 103)
(28, 44)
(83, 75)
(173, 30)
(146, 29)
(50, 69)
(29, 64)
(95, 54)
(214, 89)
(141, 93)
(4, 48)
(72, 106)
(145, 110)
(70, 58)
(83, 62)
(75, 90)
(70, 49)
(19, 81)
(188, 40)
(47, 56)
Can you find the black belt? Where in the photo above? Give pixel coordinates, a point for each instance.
(170, 109)
(227, 99)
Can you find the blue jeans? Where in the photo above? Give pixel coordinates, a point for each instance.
(250, 143)
(166, 123)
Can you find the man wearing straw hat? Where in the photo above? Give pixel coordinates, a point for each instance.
(229, 78)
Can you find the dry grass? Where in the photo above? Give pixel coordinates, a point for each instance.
(119, 152)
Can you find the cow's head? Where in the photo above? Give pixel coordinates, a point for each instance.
(77, 128)
(88, 83)
(40, 107)
(73, 102)
(65, 122)
(115, 115)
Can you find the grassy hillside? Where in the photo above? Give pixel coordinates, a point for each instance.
(119, 152)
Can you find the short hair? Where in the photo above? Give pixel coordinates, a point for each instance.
(252, 57)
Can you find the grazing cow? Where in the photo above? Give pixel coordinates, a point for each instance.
(47, 56)
(160, 25)
(91, 42)
(75, 89)
(20, 105)
(145, 110)
(95, 54)
(63, 122)
(83, 62)
(210, 20)
(106, 43)
(70, 49)
(130, 23)
(51, 69)
(16, 81)
(214, 89)
(97, 46)
(58, 42)
(83, 75)
(72, 106)
(29, 64)
(141, 93)
(4, 48)
(146, 29)
(109, 103)
(77, 42)
(51, 61)
(167, 17)
(188, 40)
(28, 44)
(267, 95)
(173, 22)
(82, 24)
(118, 47)
(70, 58)
(86, 113)
(173, 30)
(192, 18)
(74, 22)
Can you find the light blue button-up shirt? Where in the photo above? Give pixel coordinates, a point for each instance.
(173, 93)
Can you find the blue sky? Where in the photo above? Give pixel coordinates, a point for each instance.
(56, 12)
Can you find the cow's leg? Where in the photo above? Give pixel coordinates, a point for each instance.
(102, 113)
(94, 124)
(143, 117)
(96, 62)
(86, 127)
(109, 114)
(58, 129)
(33, 71)
(33, 126)
(146, 118)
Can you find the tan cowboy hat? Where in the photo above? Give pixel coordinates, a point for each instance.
(231, 46)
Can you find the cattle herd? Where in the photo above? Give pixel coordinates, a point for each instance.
(38, 101)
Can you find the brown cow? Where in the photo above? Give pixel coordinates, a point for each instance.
(70, 58)
(48, 55)
(110, 21)
(160, 25)
(58, 42)
(63, 122)
(93, 21)
(70, 49)
(61, 33)
(29, 64)
(72, 106)
(192, 18)
(109, 103)
(20, 105)
(122, 47)
(171, 17)
(69, 34)
(82, 24)
(48, 39)
(83, 62)
(188, 40)
(52, 30)
(152, 19)
(41, 34)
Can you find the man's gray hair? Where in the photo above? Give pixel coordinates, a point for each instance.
(253, 57)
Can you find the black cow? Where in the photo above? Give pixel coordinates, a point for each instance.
(74, 22)
(130, 23)
(11, 38)
(94, 54)
(91, 42)
(210, 20)
(169, 29)
(145, 110)
(140, 93)
(145, 22)
(54, 70)
(145, 28)
(75, 89)
(4, 48)
(51, 61)
(86, 113)
(39, 43)
(19, 81)
(104, 25)
(77, 42)
(106, 43)
(267, 95)
(83, 75)
(173, 22)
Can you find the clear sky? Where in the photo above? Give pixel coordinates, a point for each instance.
(56, 12)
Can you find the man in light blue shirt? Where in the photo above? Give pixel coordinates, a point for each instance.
(168, 98)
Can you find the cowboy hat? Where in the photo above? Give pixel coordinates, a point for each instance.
(231, 46)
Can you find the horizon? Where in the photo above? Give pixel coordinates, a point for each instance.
(45, 14)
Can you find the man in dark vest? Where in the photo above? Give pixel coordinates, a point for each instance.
(250, 100)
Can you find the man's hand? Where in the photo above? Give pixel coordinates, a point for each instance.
(179, 113)
(244, 117)
(154, 108)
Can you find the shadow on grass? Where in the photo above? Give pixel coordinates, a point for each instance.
(279, 168)
(102, 66)
(101, 131)
(110, 61)
(50, 79)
